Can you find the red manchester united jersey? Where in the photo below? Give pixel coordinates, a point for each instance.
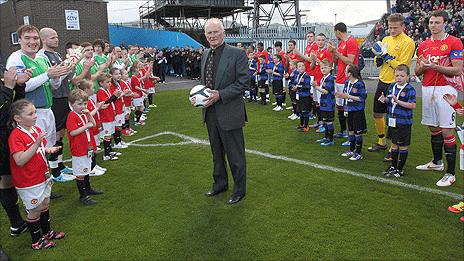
(135, 82)
(439, 51)
(91, 106)
(321, 54)
(33, 172)
(118, 104)
(310, 47)
(349, 46)
(106, 115)
(80, 143)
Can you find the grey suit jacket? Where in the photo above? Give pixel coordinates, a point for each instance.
(231, 79)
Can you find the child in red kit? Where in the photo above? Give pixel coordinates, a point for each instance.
(82, 144)
(29, 171)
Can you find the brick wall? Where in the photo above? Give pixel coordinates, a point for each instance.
(93, 19)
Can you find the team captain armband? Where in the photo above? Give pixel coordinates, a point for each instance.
(456, 54)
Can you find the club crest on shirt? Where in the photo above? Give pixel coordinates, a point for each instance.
(402, 94)
(443, 47)
(34, 201)
(354, 90)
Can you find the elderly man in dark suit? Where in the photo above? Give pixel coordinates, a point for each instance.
(224, 71)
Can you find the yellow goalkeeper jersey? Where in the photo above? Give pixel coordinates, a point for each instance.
(401, 48)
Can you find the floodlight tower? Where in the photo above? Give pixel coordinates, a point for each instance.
(264, 10)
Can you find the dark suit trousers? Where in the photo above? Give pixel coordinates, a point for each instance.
(232, 144)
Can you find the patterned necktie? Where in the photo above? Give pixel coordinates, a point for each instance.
(209, 71)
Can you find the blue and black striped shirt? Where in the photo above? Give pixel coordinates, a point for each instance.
(405, 93)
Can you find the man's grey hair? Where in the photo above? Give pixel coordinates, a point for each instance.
(214, 21)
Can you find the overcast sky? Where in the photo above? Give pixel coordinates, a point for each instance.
(349, 12)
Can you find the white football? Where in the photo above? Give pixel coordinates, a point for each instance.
(198, 95)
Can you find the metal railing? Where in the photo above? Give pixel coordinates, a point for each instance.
(370, 70)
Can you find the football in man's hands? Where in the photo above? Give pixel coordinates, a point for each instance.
(198, 95)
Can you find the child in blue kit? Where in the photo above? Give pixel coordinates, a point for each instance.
(252, 71)
(277, 81)
(327, 102)
(303, 95)
(401, 100)
(262, 78)
(354, 95)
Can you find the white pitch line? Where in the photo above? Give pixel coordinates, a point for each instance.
(192, 140)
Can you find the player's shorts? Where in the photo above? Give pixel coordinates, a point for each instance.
(339, 88)
(81, 165)
(46, 122)
(285, 81)
(327, 116)
(304, 104)
(108, 129)
(151, 90)
(380, 107)
(436, 112)
(60, 110)
(5, 170)
(292, 95)
(119, 119)
(400, 135)
(277, 87)
(137, 101)
(33, 196)
(357, 122)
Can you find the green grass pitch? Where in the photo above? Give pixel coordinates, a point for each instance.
(154, 207)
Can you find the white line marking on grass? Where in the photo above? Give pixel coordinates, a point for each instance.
(192, 140)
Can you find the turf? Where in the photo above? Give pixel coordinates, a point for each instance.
(154, 207)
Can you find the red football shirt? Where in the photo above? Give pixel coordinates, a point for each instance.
(436, 51)
(91, 106)
(149, 81)
(118, 104)
(310, 47)
(33, 172)
(135, 82)
(127, 100)
(106, 115)
(80, 143)
(321, 55)
(293, 57)
(349, 46)
(284, 61)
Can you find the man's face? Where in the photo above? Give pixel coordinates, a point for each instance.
(291, 46)
(214, 34)
(239, 45)
(260, 47)
(88, 52)
(436, 24)
(51, 41)
(30, 42)
(395, 28)
(310, 38)
(320, 40)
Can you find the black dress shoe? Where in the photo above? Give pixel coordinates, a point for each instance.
(234, 199)
(213, 192)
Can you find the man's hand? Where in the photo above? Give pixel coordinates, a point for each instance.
(213, 97)
(58, 70)
(88, 64)
(460, 112)
(10, 77)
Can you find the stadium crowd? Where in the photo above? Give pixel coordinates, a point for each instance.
(98, 91)
(416, 14)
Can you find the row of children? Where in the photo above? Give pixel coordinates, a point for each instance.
(304, 91)
(96, 117)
